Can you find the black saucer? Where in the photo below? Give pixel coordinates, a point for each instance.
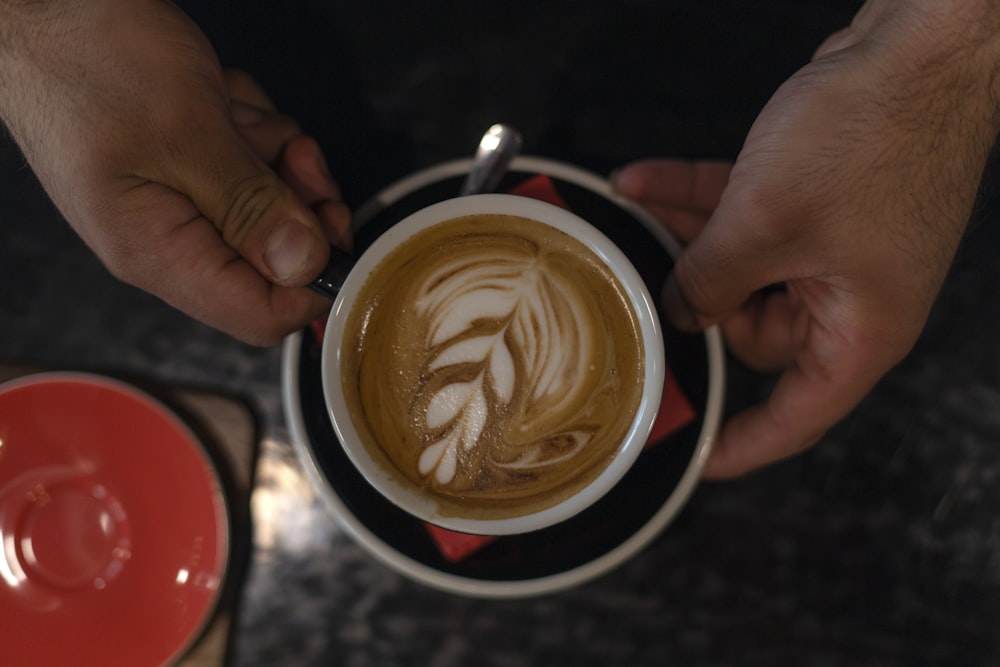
(601, 537)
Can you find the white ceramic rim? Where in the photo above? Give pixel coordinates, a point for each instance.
(481, 588)
(220, 501)
(638, 432)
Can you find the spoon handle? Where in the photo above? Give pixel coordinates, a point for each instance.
(335, 273)
(496, 149)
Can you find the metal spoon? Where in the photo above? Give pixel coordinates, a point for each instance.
(496, 150)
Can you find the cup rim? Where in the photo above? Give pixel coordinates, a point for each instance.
(554, 216)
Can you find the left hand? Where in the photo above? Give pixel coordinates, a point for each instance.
(181, 178)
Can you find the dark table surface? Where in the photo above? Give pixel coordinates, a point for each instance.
(881, 546)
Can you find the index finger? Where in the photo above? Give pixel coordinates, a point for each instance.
(695, 186)
(681, 194)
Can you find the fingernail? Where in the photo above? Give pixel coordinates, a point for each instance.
(623, 180)
(244, 114)
(287, 249)
(676, 307)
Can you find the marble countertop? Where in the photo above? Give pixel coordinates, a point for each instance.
(881, 546)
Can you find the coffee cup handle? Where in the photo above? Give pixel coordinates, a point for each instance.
(333, 276)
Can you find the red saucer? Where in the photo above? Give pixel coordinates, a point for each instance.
(114, 534)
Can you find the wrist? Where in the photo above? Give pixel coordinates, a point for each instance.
(955, 43)
(26, 19)
(35, 36)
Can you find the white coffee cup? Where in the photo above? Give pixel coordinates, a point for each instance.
(410, 498)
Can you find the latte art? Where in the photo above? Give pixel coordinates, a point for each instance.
(481, 315)
(496, 364)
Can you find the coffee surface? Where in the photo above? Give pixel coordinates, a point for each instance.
(493, 362)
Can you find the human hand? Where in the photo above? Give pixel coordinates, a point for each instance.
(184, 181)
(852, 192)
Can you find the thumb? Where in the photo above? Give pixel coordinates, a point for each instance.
(722, 267)
(255, 212)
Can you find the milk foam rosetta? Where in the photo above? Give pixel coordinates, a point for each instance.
(496, 364)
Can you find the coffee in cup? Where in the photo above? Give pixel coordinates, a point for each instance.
(496, 361)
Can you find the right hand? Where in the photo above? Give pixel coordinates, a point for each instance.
(182, 179)
(851, 193)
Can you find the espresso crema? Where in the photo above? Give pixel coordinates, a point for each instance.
(495, 363)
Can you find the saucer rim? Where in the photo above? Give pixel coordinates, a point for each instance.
(220, 502)
(575, 576)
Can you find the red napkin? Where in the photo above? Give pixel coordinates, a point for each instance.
(675, 411)
(455, 546)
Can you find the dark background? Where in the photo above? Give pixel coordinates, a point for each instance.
(881, 546)
(389, 86)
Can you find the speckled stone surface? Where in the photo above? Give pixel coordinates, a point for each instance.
(881, 546)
